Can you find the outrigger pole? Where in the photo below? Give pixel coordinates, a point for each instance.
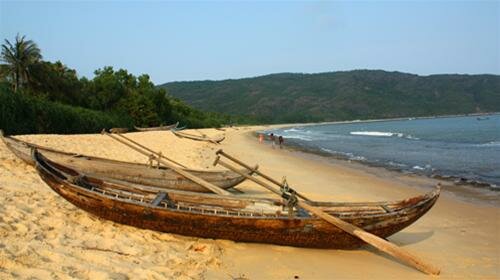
(375, 241)
(152, 155)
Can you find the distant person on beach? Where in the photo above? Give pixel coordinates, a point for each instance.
(261, 138)
(280, 141)
(271, 137)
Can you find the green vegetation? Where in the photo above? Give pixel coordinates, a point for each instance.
(359, 94)
(23, 114)
(19, 59)
(44, 97)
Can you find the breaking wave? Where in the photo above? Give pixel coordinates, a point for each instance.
(345, 155)
(292, 130)
(490, 144)
(299, 137)
(383, 134)
(374, 133)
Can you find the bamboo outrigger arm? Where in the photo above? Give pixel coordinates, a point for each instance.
(176, 169)
(375, 241)
(152, 155)
(281, 185)
(158, 155)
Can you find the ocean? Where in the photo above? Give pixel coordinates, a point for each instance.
(465, 149)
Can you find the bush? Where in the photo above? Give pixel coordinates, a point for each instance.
(23, 114)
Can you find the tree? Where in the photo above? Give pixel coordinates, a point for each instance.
(57, 82)
(19, 59)
(108, 88)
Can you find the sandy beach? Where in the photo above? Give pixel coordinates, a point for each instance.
(44, 237)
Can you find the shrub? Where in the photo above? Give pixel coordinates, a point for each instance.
(23, 114)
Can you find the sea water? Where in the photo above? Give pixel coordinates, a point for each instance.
(464, 148)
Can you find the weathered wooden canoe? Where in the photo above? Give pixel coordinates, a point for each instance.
(235, 218)
(126, 171)
(216, 139)
(157, 128)
(118, 130)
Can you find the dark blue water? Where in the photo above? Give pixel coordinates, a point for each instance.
(461, 147)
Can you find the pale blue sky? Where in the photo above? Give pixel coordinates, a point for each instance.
(219, 40)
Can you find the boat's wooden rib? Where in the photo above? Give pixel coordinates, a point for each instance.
(157, 128)
(216, 139)
(245, 219)
(127, 171)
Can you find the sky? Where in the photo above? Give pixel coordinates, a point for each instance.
(179, 41)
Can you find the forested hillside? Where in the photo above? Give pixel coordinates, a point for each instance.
(359, 94)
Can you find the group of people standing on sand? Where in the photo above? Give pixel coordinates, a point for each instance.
(273, 140)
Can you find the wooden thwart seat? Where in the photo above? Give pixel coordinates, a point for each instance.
(161, 196)
(386, 208)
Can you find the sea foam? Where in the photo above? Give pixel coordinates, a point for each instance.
(383, 134)
(373, 133)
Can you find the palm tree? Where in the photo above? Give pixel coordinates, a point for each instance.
(19, 59)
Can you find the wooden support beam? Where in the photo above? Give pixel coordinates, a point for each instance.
(221, 152)
(149, 150)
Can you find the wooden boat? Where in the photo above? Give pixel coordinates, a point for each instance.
(132, 172)
(237, 218)
(216, 139)
(118, 130)
(179, 128)
(157, 128)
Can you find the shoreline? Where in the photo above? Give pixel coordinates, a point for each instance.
(45, 236)
(450, 235)
(464, 191)
(468, 188)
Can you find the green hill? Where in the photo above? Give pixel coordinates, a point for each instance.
(358, 94)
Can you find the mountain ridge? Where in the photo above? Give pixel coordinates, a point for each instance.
(342, 95)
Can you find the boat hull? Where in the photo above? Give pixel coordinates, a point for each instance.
(126, 171)
(198, 138)
(158, 128)
(299, 231)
